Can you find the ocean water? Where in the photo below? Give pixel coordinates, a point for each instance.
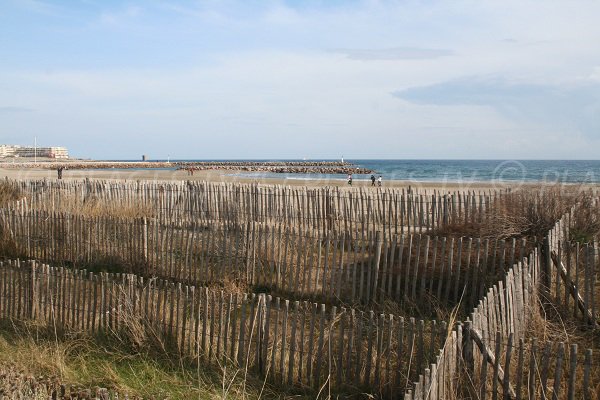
(563, 171)
(486, 170)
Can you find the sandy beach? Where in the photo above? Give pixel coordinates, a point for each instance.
(231, 176)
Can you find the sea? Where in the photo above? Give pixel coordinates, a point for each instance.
(465, 171)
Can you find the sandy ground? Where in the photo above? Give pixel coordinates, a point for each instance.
(228, 176)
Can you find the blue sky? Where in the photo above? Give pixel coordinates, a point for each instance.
(317, 79)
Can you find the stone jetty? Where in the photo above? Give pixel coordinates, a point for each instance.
(288, 167)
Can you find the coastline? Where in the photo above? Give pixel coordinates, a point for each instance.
(299, 167)
(230, 176)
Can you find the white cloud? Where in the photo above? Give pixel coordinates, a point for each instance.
(114, 18)
(265, 82)
(396, 53)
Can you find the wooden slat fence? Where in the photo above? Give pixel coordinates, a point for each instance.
(573, 276)
(489, 357)
(393, 211)
(420, 271)
(509, 369)
(297, 343)
(521, 369)
(506, 308)
(438, 380)
(318, 347)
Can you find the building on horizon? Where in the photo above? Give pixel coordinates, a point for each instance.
(5, 151)
(32, 152)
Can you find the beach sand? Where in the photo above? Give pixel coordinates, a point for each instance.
(229, 176)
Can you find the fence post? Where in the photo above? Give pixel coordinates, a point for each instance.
(262, 315)
(467, 349)
(249, 229)
(379, 241)
(546, 265)
(32, 293)
(145, 238)
(445, 213)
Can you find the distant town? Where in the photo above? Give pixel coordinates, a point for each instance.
(14, 151)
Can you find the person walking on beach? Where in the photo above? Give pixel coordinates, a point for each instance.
(372, 180)
(350, 179)
(379, 181)
(60, 171)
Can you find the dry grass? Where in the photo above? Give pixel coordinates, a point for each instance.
(549, 330)
(550, 325)
(9, 193)
(8, 246)
(523, 214)
(518, 215)
(585, 222)
(95, 207)
(80, 361)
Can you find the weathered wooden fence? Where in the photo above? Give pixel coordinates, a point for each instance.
(390, 210)
(573, 275)
(307, 344)
(506, 308)
(291, 343)
(519, 369)
(508, 369)
(415, 269)
(480, 358)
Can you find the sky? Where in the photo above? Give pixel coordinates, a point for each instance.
(512, 79)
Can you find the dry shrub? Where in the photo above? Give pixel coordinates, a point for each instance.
(543, 208)
(526, 213)
(8, 246)
(9, 193)
(92, 206)
(503, 225)
(585, 222)
(463, 229)
(135, 331)
(95, 207)
(34, 361)
(552, 326)
(427, 307)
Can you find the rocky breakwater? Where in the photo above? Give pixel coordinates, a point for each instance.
(284, 169)
(289, 167)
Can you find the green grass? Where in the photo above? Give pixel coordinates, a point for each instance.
(89, 363)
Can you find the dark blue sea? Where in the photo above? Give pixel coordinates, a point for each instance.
(564, 171)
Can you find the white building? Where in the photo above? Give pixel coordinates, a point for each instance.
(6, 151)
(31, 152)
